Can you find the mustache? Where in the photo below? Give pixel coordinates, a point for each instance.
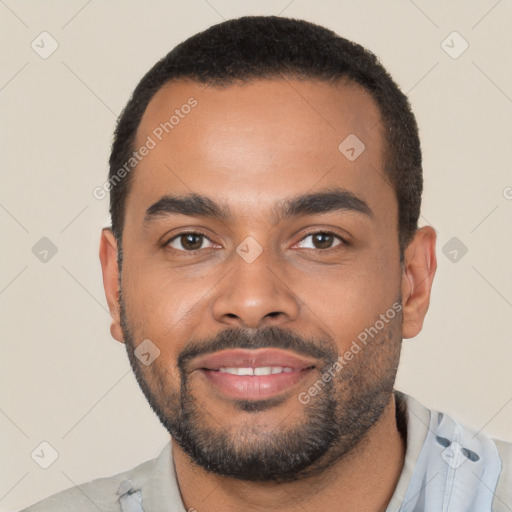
(268, 337)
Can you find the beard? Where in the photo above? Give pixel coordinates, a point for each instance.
(334, 422)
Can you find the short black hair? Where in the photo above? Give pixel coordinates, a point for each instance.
(264, 47)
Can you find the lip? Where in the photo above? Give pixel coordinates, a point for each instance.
(253, 387)
(243, 358)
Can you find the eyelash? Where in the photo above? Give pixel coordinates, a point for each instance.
(343, 241)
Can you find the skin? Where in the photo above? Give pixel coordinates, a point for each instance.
(252, 147)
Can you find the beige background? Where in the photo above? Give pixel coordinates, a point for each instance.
(63, 379)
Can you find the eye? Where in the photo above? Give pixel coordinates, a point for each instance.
(189, 242)
(321, 240)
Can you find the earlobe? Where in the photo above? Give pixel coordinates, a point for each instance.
(419, 268)
(110, 270)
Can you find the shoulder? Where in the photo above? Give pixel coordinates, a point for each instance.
(503, 497)
(99, 494)
(450, 463)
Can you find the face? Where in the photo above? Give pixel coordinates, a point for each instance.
(262, 263)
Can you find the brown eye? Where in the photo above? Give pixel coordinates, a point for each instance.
(188, 242)
(320, 240)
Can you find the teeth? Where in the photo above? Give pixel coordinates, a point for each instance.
(266, 370)
(244, 371)
(261, 370)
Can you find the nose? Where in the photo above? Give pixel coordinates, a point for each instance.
(255, 294)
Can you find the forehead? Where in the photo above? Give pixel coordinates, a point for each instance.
(251, 145)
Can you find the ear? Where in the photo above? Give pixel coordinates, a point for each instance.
(110, 269)
(419, 268)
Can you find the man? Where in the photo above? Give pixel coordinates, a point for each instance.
(263, 266)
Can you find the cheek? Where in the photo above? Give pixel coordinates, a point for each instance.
(349, 298)
(162, 306)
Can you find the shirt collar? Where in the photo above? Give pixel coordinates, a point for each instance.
(416, 417)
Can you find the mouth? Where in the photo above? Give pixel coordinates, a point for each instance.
(254, 374)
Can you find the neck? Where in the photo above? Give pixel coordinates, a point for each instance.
(363, 480)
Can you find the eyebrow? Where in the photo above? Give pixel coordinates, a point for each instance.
(197, 205)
